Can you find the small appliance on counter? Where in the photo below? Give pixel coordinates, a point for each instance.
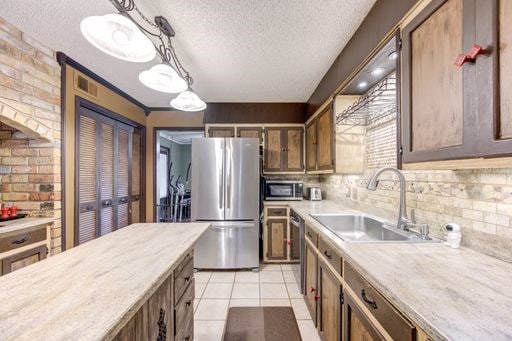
(313, 193)
(283, 190)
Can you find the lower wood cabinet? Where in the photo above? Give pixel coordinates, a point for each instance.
(356, 325)
(311, 285)
(277, 236)
(281, 238)
(24, 258)
(330, 302)
(169, 313)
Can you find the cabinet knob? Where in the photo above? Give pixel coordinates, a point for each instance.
(187, 278)
(188, 303)
(327, 254)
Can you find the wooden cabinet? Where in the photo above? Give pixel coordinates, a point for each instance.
(320, 142)
(294, 242)
(221, 132)
(330, 304)
(277, 238)
(168, 313)
(450, 111)
(281, 240)
(254, 132)
(24, 258)
(284, 150)
(356, 325)
(311, 286)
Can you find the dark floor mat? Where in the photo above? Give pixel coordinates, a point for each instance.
(261, 324)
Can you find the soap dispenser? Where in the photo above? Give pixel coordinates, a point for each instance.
(453, 235)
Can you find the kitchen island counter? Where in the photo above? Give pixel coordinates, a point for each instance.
(89, 292)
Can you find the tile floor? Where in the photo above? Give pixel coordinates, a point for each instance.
(274, 285)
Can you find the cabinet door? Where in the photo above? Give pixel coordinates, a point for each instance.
(310, 290)
(495, 109)
(221, 132)
(294, 242)
(311, 144)
(22, 259)
(356, 326)
(277, 239)
(136, 328)
(273, 150)
(254, 132)
(106, 174)
(135, 202)
(294, 149)
(329, 319)
(160, 313)
(325, 140)
(123, 175)
(439, 99)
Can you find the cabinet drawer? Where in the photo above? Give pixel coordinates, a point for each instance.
(184, 262)
(311, 235)
(390, 319)
(276, 212)
(184, 310)
(330, 255)
(186, 333)
(183, 279)
(16, 239)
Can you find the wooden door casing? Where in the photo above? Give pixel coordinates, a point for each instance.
(277, 246)
(329, 311)
(311, 287)
(325, 140)
(435, 129)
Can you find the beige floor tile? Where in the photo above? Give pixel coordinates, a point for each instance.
(273, 290)
(246, 290)
(244, 302)
(199, 289)
(271, 277)
(202, 276)
(222, 277)
(208, 330)
(293, 290)
(289, 276)
(270, 267)
(275, 302)
(247, 277)
(287, 267)
(212, 309)
(307, 330)
(218, 290)
(300, 309)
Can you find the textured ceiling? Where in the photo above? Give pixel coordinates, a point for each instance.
(236, 50)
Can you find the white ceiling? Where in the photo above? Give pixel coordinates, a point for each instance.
(236, 50)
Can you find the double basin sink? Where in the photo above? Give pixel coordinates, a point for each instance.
(362, 228)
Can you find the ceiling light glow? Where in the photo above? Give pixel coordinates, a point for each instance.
(393, 55)
(163, 78)
(377, 72)
(188, 101)
(362, 85)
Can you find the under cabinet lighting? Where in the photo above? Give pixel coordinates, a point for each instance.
(188, 101)
(362, 85)
(377, 72)
(393, 55)
(118, 37)
(164, 78)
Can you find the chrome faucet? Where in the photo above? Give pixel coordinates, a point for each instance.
(403, 222)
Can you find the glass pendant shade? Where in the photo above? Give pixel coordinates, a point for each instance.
(164, 78)
(188, 101)
(119, 37)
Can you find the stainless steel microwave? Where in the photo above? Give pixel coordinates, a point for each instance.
(283, 190)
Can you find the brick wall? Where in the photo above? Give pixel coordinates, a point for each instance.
(30, 130)
(480, 201)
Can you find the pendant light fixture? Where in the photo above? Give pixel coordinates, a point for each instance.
(188, 101)
(121, 36)
(118, 36)
(163, 78)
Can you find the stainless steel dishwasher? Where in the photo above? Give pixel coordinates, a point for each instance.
(296, 222)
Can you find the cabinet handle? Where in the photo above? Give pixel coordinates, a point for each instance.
(187, 338)
(188, 303)
(187, 278)
(327, 254)
(309, 235)
(317, 298)
(470, 56)
(370, 302)
(313, 289)
(19, 241)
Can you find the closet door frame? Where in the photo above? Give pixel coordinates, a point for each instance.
(81, 102)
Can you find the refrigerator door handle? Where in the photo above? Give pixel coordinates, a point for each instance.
(229, 165)
(221, 179)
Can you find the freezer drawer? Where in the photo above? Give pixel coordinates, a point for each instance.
(228, 245)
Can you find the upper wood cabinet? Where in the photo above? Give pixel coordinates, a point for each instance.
(284, 149)
(221, 132)
(450, 111)
(254, 132)
(320, 142)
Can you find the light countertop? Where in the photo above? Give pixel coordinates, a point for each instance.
(88, 292)
(455, 294)
(23, 223)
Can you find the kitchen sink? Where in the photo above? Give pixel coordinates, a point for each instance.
(365, 229)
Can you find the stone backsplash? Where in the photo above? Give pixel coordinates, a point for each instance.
(480, 201)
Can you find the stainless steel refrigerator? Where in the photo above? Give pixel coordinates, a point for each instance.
(225, 192)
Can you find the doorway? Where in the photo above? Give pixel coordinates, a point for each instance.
(173, 149)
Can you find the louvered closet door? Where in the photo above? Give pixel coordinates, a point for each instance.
(87, 178)
(123, 174)
(106, 175)
(136, 177)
